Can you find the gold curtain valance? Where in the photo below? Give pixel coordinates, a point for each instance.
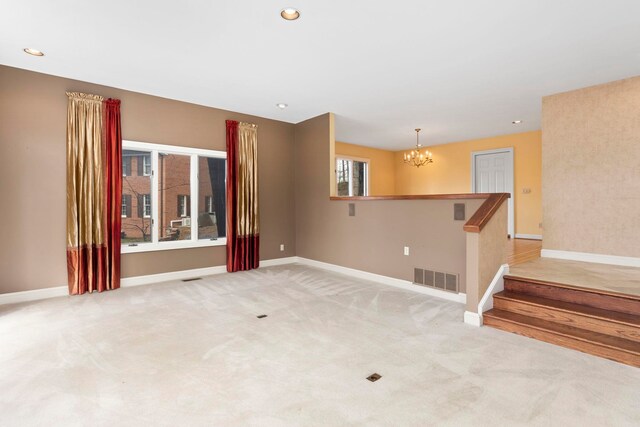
(84, 96)
(246, 125)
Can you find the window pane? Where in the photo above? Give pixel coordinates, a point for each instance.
(136, 200)
(174, 197)
(146, 165)
(211, 190)
(342, 177)
(359, 178)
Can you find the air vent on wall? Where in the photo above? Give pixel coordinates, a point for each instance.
(436, 279)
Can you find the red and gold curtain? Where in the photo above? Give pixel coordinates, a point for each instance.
(94, 175)
(243, 231)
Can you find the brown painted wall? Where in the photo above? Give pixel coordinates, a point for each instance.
(32, 175)
(591, 169)
(373, 240)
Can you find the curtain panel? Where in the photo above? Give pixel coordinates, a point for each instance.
(243, 230)
(113, 165)
(94, 174)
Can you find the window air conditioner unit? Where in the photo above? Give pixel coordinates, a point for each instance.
(186, 222)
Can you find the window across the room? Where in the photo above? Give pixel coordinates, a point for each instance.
(146, 205)
(146, 165)
(352, 177)
(162, 185)
(208, 203)
(183, 203)
(126, 204)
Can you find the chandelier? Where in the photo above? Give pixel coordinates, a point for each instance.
(415, 157)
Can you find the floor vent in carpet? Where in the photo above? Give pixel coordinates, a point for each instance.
(262, 316)
(374, 377)
(192, 279)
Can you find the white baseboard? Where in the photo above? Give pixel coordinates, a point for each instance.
(473, 319)
(386, 280)
(127, 282)
(278, 261)
(34, 295)
(529, 236)
(24, 296)
(496, 285)
(589, 257)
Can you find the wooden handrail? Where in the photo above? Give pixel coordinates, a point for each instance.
(485, 212)
(417, 197)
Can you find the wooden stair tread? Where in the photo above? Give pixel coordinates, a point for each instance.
(566, 331)
(571, 286)
(588, 297)
(608, 315)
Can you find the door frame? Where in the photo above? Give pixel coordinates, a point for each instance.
(510, 171)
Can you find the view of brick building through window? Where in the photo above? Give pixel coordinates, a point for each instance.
(351, 177)
(174, 197)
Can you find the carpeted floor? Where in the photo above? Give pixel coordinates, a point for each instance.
(195, 354)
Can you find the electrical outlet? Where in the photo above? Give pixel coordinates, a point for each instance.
(406, 250)
(526, 190)
(282, 248)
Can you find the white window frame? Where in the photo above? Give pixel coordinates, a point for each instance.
(351, 159)
(194, 153)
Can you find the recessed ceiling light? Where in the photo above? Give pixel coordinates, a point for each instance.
(290, 14)
(281, 106)
(516, 122)
(34, 52)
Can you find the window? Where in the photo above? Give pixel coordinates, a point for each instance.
(146, 205)
(126, 165)
(352, 177)
(208, 203)
(183, 205)
(146, 165)
(171, 183)
(136, 226)
(126, 206)
(211, 184)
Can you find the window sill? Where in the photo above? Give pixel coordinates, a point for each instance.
(172, 245)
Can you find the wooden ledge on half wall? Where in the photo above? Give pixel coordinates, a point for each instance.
(418, 197)
(476, 223)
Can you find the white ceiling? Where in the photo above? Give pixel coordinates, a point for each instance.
(459, 69)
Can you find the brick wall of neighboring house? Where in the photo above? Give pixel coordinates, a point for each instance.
(174, 185)
(174, 180)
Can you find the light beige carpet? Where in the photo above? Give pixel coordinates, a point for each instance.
(194, 354)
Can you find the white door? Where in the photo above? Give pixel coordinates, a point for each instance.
(493, 173)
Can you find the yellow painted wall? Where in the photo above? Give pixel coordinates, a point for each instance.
(450, 172)
(381, 166)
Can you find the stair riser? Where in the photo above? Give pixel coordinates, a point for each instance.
(577, 320)
(591, 299)
(561, 340)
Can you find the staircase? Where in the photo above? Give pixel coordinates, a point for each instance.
(587, 320)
